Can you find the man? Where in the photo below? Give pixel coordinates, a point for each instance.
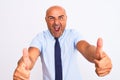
(70, 42)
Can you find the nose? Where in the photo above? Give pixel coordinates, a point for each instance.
(56, 21)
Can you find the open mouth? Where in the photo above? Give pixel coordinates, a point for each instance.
(57, 28)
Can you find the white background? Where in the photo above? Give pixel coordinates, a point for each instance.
(21, 20)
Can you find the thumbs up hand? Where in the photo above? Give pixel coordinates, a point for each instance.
(22, 71)
(102, 61)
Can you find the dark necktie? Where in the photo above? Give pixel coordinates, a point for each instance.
(58, 62)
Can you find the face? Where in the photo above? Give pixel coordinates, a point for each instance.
(56, 20)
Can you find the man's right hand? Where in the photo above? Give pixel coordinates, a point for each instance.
(22, 72)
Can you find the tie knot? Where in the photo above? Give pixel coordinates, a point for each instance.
(56, 39)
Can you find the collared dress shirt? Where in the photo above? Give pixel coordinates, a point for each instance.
(44, 41)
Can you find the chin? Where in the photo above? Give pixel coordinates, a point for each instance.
(57, 35)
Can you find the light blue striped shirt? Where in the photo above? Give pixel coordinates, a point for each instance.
(44, 41)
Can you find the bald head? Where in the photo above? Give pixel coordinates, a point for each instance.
(55, 8)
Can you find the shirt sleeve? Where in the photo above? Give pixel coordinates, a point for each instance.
(77, 36)
(37, 42)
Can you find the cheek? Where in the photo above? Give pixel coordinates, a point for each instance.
(63, 25)
(49, 24)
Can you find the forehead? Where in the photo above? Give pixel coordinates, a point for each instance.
(55, 11)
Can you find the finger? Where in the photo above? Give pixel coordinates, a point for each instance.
(26, 58)
(22, 73)
(99, 48)
(102, 72)
(20, 78)
(102, 69)
(25, 53)
(103, 63)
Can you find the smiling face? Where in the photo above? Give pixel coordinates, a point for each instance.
(56, 20)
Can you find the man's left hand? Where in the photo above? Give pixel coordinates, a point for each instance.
(102, 62)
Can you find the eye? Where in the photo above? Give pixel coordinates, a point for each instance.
(61, 17)
(50, 18)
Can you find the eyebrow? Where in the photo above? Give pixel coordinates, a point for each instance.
(54, 17)
(50, 16)
(61, 16)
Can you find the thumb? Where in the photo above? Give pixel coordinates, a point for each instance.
(26, 58)
(99, 48)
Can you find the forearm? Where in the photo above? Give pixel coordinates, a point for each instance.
(87, 50)
(90, 52)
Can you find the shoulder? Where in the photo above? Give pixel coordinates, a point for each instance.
(40, 39)
(75, 35)
(72, 32)
(43, 34)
